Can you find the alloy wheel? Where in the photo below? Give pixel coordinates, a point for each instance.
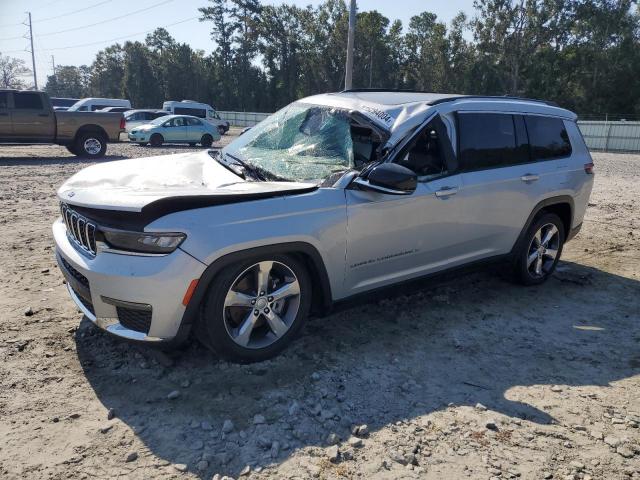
(261, 304)
(543, 250)
(92, 146)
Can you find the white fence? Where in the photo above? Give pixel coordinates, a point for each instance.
(617, 136)
(243, 119)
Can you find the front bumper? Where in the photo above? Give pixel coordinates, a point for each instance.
(136, 297)
(138, 137)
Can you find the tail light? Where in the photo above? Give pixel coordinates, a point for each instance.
(122, 122)
(588, 168)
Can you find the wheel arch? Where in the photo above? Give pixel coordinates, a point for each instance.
(562, 205)
(304, 252)
(91, 128)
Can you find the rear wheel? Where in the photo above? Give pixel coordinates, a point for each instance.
(156, 140)
(255, 308)
(91, 145)
(206, 140)
(539, 250)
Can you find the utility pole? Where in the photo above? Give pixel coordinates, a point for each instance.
(371, 67)
(33, 55)
(53, 65)
(348, 75)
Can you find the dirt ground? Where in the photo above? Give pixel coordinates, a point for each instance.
(463, 377)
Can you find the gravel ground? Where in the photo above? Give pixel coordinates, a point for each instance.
(462, 377)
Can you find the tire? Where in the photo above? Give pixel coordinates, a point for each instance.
(90, 145)
(206, 140)
(249, 326)
(71, 149)
(537, 256)
(156, 140)
(221, 130)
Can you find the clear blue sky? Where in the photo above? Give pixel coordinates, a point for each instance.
(52, 16)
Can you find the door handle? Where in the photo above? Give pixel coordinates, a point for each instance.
(445, 192)
(530, 177)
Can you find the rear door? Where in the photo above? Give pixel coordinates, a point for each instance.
(500, 182)
(194, 129)
(32, 118)
(6, 130)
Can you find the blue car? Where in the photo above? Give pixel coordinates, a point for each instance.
(175, 129)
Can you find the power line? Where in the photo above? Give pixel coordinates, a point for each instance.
(74, 12)
(106, 21)
(118, 38)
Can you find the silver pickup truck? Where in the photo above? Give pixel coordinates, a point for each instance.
(27, 117)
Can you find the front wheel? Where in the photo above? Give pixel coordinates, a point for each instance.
(221, 130)
(539, 250)
(156, 140)
(91, 145)
(206, 140)
(255, 308)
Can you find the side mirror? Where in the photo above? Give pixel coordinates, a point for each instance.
(389, 178)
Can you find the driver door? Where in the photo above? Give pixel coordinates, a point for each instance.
(176, 131)
(398, 237)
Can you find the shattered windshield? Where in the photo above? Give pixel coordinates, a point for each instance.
(302, 142)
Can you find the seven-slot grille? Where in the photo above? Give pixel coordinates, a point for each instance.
(80, 229)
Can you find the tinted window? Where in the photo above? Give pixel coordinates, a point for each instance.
(4, 99)
(196, 112)
(98, 107)
(27, 101)
(425, 155)
(193, 121)
(489, 140)
(548, 137)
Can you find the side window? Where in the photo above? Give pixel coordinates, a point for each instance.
(4, 100)
(193, 122)
(27, 101)
(425, 155)
(488, 140)
(548, 137)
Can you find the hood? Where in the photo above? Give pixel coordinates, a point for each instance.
(174, 182)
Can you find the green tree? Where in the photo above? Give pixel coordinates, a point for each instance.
(139, 84)
(68, 81)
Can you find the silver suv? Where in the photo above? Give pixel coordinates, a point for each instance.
(332, 196)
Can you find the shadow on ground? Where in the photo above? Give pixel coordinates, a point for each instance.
(464, 340)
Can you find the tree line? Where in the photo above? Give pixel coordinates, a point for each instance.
(583, 54)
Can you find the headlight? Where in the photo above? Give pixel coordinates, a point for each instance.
(144, 242)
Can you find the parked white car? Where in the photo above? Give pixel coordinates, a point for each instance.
(196, 109)
(93, 104)
(135, 118)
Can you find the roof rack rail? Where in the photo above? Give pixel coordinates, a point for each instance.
(407, 90)
(490, 97)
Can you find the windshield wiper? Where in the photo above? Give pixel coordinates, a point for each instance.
(255, 171)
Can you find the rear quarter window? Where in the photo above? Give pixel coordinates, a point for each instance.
(548, 137)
